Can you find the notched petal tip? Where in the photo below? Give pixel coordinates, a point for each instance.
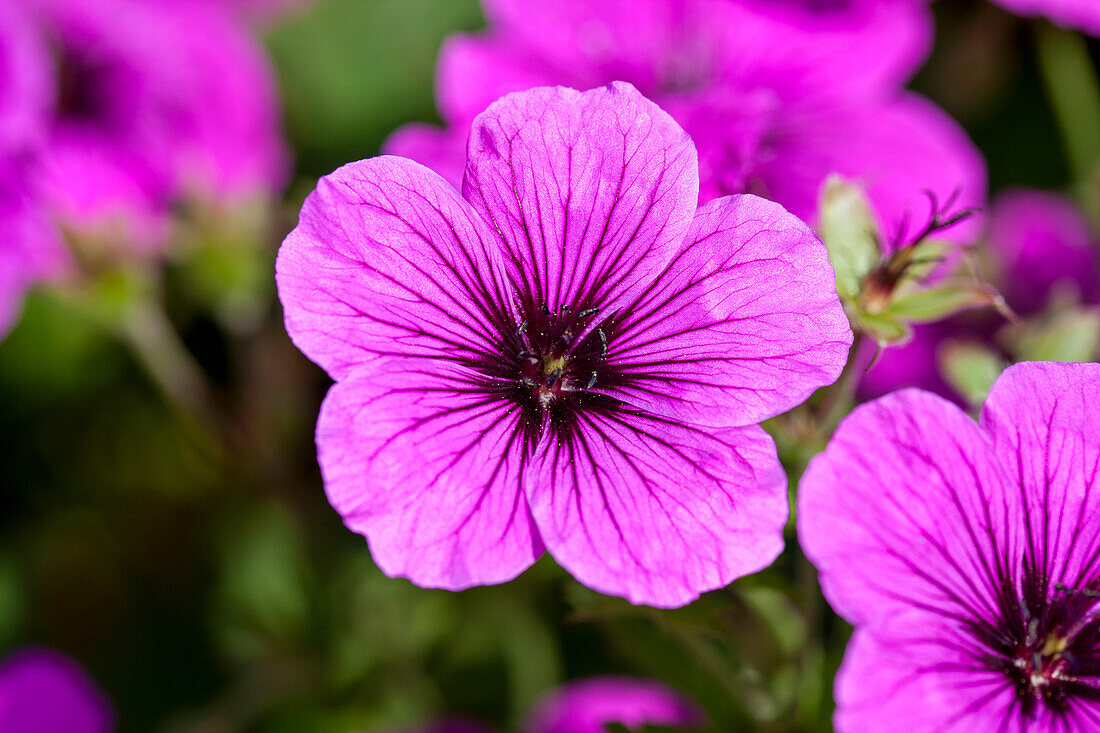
(656, 512)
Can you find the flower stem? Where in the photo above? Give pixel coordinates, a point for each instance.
(1074, 93)
(149, 334)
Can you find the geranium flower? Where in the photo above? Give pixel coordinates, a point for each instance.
(1038, 242)
(590, 705)
(153, 100)
(1081, 14)
(46, 692)
(967, 556)
(569, 356)
(774, 105)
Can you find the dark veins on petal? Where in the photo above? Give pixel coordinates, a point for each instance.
(1040, 636)
(550, 364)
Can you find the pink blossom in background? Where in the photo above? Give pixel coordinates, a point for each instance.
(589, 706)
(1037, 241)
(25, 84)
(152, 101)
(1082, 15)
(268, 10)
(1040, 240)
(773, 106)
(570, 356)
(42, 691)
(29, 250)
(966, 555)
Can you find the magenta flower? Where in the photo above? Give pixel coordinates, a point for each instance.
(1080, 14)
(966, 555)
(773, 106)
(589, 706)
(153, 100)
(1041, 241)
(571, 357)
(45, 692)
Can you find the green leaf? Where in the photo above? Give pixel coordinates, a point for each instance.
(848, 229)
(943, 300)
(970, 369)
(1072, 335)
(884, 328)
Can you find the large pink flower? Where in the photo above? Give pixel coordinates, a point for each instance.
(773, 103)
(967, 556)
(42, 691)
(569, 356)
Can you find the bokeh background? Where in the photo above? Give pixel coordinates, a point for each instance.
(186, 554)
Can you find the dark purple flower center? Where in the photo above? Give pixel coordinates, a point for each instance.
(551, 363)
(82, 95)
(1047, 643)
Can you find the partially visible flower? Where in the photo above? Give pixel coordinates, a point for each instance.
(153, 101)
(42, 691)
(25, 82)
(1038, 241)
(268, 10)
(1080, 14)
(29, 250)
(571, 356)
(966, 555)
(589, 706)
(773, 106)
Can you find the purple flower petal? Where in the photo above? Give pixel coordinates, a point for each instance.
(1081, 14)
(430, 470)
(588, 706)
(1041, 241)
(593, 192)
(915, 671)
(743, 325)
(657, 512)
(968, 556)
(442, 150)
(1042, 419)
(465, 86)
(45, 692)
(907, 470)
(898, 150)
(24, 81)
(388, 259)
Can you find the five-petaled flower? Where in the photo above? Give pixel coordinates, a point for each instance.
(967, 556)
(569, 356)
